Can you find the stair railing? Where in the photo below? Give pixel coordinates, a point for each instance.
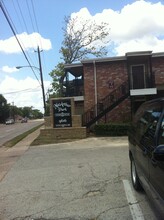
(106, 104)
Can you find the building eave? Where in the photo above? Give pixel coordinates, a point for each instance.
(102, 60)
(138, 53)
(67, 66)
(112, 59)
(161, 54)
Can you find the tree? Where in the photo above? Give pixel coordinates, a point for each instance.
(29, 112)
(26, 111)
(82, 38)
(4, 109)
(36, 113)
(56, 74)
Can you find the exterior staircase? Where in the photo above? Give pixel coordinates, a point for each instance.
(105, 105)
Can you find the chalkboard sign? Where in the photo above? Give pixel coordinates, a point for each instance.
(62, 113)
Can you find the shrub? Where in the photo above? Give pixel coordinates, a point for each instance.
(112, 129)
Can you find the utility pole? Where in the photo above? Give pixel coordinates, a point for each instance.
(41, 78)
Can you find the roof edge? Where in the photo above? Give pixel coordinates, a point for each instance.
(106, 59)
(73, 65)
(116, 58)
(160, 54)
(138, 53)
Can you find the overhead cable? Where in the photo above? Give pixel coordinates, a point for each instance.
(24, 90)
(24, 22)
(5, 14)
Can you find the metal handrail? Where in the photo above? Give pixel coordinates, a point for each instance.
(104, 104)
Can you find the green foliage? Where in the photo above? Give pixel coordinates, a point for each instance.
(4, 109)
(36, 114)
(7, 110)
(29, 112)
(26, 111)
(113, 129)
(57, 75)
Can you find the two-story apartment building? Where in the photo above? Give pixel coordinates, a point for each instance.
(111, 89)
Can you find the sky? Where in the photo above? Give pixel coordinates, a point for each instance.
(133, 26)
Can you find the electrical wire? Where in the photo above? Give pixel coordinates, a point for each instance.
(24, 22)
(24, 90)
(34, 16)
(29, 11)
(21, 19)
(31, 19)
(36, 24)
(14, 32)
(11, 24)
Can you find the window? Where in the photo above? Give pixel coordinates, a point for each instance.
(147, 123)
(161, 133)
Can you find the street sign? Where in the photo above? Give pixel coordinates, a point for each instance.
(62, 113)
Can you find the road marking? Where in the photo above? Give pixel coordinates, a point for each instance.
(133, 203)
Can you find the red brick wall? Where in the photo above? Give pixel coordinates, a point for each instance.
(121, 113)
(110, 73)
(88, 87)
(158, 70)
(113, 72)
(107, 73)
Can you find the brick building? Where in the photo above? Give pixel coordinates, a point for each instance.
(111, 89)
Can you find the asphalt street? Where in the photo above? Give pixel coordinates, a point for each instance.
(87, 179)
(8, 132)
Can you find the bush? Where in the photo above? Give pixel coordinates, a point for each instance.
(111, 129)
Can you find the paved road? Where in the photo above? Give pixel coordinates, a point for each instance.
(82, 180)
(7, 132)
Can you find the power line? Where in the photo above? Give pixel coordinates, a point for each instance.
(29, 11)
(24, 22)
(34, 16)
(20, 91)
(36, 24)
(6, 16)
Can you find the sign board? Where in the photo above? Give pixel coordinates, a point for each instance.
(62, 113)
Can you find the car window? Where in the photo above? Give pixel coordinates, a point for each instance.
(161, 133)
(147, 123)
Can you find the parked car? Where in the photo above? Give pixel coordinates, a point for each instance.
(9, 121)
(146, 151)
(24, 120)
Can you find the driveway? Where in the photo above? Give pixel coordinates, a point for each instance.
(82, 180)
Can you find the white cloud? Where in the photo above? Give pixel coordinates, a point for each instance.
(83, 13)
(8, 69)
(138, 26)
(26, 92)
(31, 41)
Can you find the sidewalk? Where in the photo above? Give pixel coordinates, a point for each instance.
(8, 156)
